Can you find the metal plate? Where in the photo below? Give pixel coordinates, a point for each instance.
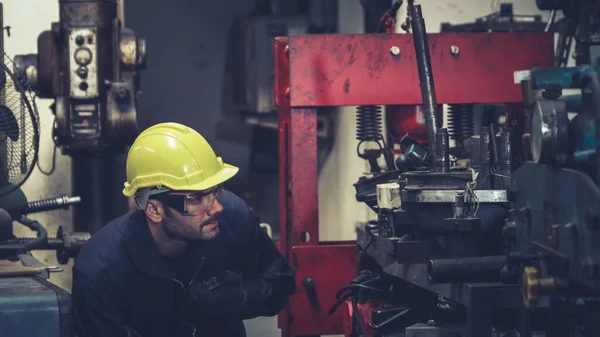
(331, 267)
(343, 70)
(441, 196)
(28, 308)
(90, 49)
(564, 210)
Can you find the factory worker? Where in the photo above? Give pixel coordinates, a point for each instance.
(191, 261)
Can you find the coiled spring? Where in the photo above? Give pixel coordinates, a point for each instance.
(368, 125)
(460, 121)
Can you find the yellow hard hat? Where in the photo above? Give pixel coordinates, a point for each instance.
(176, 157)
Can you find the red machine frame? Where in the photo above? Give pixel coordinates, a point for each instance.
(347, 70)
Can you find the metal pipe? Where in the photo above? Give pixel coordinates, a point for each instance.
(121, 12)
(425, 73)
(42, 234)
(468, 269)
(483, 180)
(495, 181)
(505, 149)
(475, 152)
(2, 29)
(442, 146)
(96, 179)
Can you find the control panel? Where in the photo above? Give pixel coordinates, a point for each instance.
(83, 80)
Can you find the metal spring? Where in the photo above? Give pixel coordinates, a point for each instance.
(52, 244)
(368, 123)
(460, 121)
(50, 204)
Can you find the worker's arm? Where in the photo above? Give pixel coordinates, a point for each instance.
(94, 310)
(270, 284)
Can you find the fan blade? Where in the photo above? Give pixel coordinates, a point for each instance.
(8, 123)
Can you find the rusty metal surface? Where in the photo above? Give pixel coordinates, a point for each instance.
(342, 70)
(321, 271)
(299, 238)
(282, 81)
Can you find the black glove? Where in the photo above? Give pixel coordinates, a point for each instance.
(228, 297)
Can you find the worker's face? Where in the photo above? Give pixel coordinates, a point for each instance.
(198, 221)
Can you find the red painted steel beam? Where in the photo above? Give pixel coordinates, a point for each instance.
(282, 83)
(348, 70)
(321, 271)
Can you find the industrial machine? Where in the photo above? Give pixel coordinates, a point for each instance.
(89, 64)
(29, 304)
(501, 243)
(492, 238)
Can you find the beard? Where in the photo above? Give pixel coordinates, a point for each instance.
(176, 229)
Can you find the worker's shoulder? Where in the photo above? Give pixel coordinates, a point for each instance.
(105, 249)
(234, 206)
(237, 218)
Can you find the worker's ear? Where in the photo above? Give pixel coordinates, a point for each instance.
(154, 210)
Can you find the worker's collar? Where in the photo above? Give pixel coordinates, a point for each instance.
(144, 251)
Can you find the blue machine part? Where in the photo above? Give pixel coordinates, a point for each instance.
(558, 78)
(31, 307)
(560, 217)
(555, 78)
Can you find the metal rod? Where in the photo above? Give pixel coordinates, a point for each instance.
(2, 29)
(475, 152)
(121, 12)
(442, 146)
(483, 180)
(425, 73)
(494, 166)
(468, 269)
(505, 165)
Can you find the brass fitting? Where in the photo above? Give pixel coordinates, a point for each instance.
(532, 286)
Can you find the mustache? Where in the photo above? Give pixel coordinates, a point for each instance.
(210, 220)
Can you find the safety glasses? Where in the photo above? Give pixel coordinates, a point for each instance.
(190, 203)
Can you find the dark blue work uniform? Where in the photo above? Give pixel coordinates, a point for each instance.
(121, 282)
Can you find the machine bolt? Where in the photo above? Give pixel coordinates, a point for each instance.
(454, 50)
(122, 94)
(309, 282)
(431, 322)
(395, 50)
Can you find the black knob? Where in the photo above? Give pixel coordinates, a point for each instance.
(83, 86)
(79, 40)
(122, 94)
(82, 72)
(309, 282)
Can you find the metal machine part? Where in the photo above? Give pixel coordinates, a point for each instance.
(425, 74)
(440, 229)
(32, 306)
(555, 212)
(89, 64)
(549, 137)
(15, 207)
(460, 121)
(502, 21)
(25, 295)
